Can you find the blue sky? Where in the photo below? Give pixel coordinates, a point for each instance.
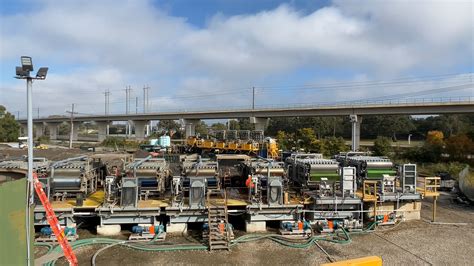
(205, 54)
(198, 12)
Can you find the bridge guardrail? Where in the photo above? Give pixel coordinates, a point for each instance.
(357, 103)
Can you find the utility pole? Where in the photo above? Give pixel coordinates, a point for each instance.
(72, 125)
(144, 99)
(127, 93)
(38, 112)
(107, 101)
(147, 99)
(136, 105)
(253, 98)
(146, 89)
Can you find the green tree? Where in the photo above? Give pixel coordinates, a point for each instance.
(244, 124)
(234, 124)
(389, 126)
(459, 147)
(9, 128)
(168, 125)
(333, 145)
(218, 126)
(285, 140)
(282, 139)
(382, 146)
(307, 139)
(201, 128)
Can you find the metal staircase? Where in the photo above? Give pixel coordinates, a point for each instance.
(227, 179)
(219, 233)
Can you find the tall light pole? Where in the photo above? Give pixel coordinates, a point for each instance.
(23, 72)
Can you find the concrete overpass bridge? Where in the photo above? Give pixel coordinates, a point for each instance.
(259, 116)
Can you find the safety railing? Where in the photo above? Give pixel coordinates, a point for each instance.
(428, 186)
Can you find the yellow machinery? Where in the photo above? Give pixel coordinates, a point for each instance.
(220, 145)
(191, 141)
(205, 144)
(249, 147)
(234, 146)
(41, 147)
(272, 148)
(365, 261)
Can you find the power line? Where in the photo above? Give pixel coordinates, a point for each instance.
(424, 92)
(370, 82)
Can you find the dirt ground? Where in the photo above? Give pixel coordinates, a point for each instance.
(449, 242)
(53, 154)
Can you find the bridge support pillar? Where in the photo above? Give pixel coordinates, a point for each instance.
(102, 130)
(356, 120)
(260, 123)
(53, 130)
(23, 129)
(140, 129)
(39, 130)
(190, 127)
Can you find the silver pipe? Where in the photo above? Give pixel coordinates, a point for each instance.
(59, 163)
(140, 162)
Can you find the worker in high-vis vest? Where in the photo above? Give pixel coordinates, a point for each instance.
(249, 183)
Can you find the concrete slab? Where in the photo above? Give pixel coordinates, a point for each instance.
(252, 227)
(180, 228)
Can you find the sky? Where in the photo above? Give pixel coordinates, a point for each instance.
(209, 54)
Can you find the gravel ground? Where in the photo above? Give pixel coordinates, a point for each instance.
(409, 243)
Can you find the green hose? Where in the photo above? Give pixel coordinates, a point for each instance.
(150, 246)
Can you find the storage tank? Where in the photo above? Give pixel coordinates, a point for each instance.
(165, 141)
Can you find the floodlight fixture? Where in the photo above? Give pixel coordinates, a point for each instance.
(26, 63)
(42, 72)
(20, 72)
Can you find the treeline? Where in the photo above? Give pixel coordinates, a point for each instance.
(9, 128)
(395, 126)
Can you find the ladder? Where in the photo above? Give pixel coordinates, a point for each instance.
(219, 236)
(54, 223)
(227, 179)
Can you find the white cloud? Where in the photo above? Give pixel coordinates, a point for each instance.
(109, 44)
